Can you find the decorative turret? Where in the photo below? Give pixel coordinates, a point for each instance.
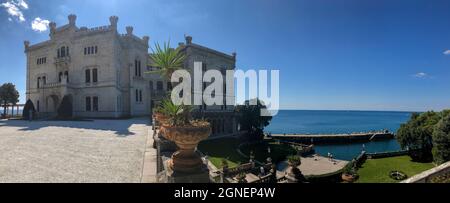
(72, 19)
(234, 55)
(113, 20)
(188, 40)
(52, 26)
(129, 30)
(146, 39)
(26, 44)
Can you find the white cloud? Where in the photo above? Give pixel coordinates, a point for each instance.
(421, 75)
(22, 4)
(15, 8)
(447, 52)
(40, 25)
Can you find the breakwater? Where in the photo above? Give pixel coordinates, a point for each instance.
(333, 138)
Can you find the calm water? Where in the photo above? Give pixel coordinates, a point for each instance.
(9, 112)
(323, 122)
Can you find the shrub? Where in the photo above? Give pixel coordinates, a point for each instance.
(441, 140)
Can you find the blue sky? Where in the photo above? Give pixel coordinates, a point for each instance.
(352, 55)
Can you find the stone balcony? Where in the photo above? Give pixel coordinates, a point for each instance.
(62, 61)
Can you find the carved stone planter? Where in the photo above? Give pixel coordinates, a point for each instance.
(161, 118)
(186, 160)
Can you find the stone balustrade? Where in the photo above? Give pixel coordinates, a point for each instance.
(434, 175)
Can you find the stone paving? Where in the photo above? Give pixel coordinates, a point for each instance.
(75, 151)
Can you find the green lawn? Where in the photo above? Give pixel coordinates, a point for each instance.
(222, 149)
(377, 170)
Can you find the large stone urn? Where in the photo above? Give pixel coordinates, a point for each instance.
(186, 160)
(161, 118)
(159, 140)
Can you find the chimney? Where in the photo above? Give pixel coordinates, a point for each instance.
(113, 20)
(72, 19)
(129, 30)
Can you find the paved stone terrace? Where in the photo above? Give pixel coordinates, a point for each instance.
(74, 151)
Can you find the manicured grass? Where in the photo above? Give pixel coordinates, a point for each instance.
(377, 170)
(222, 149)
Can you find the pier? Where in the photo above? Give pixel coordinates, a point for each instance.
(333, 138)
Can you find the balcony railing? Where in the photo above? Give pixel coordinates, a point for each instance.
(54, 85)
(62, 60)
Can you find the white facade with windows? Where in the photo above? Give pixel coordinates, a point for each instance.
(102, 73)
(94, 67)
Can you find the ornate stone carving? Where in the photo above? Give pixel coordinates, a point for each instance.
(186, 159)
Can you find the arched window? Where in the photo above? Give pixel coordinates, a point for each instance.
(94, 75)
(151, 85)
(88, 104)
(63, 52)
(159, 86)
(38, 82)
(95, 104)
(87, 76)
(137, 95)
(67, 76)
(60, 76)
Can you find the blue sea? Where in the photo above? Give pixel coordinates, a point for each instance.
(9, 112)
(335, 122)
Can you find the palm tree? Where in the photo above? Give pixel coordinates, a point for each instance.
(167, 60)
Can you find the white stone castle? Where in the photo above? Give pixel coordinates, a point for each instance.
(103, 74)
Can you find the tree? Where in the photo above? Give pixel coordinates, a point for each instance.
(65, 110)
(416, 135)
(167, 60)
(29, 107)
(8, 95)
(441, 140)
(251, 119)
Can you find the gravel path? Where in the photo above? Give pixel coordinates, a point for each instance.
(63, 151)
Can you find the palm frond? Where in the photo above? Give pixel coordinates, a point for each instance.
(167, 59)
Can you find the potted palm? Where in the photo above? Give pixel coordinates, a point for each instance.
(186, 133)
(167, 60)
